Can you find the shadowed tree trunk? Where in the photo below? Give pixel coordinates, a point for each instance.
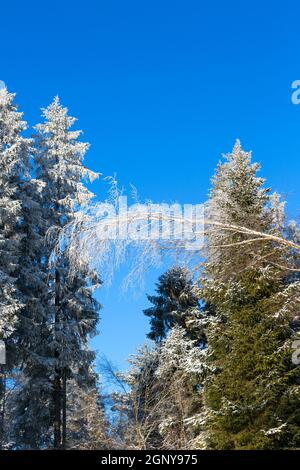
(64, 409)
(57, 381)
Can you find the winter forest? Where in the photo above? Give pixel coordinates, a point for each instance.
(219, 368)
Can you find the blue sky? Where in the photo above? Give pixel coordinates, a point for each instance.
(161, 89)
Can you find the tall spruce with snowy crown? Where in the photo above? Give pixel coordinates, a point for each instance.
(253, 395)
(14, 167)
(72, 310)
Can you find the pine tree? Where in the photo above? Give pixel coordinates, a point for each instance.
(72, 311)
(252, 397)
(15, 152)
(177, 303)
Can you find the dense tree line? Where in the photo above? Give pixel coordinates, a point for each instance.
(48, 313)
(221, 375)
(217, 372)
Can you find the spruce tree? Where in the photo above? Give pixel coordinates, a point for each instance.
(14, 160)
(176, 303)
(15, 152)
(72, 310)
(32, 397)
(253, 395)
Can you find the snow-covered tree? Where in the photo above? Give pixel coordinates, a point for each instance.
(72, 311)
(14, 161)
(238, 197)
(176, 303)
(138, 402)
(15, 152)
(32, 397)
(253, 395)
(181, 373)
(87, 425)
(160, 406)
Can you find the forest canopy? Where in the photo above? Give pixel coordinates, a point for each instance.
(219, 368)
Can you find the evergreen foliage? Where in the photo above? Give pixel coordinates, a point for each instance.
(252, 397)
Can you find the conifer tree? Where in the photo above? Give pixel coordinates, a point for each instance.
(15, 152)
(160, 406)
(180, 374)
(31, 398)
(252, 397)
(176, 303)
(72, 309)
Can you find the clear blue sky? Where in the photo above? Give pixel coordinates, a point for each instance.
(161, 89)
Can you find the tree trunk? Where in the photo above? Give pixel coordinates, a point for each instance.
(57, 381)
(2, 403)
(64, 410)
(57, 412)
